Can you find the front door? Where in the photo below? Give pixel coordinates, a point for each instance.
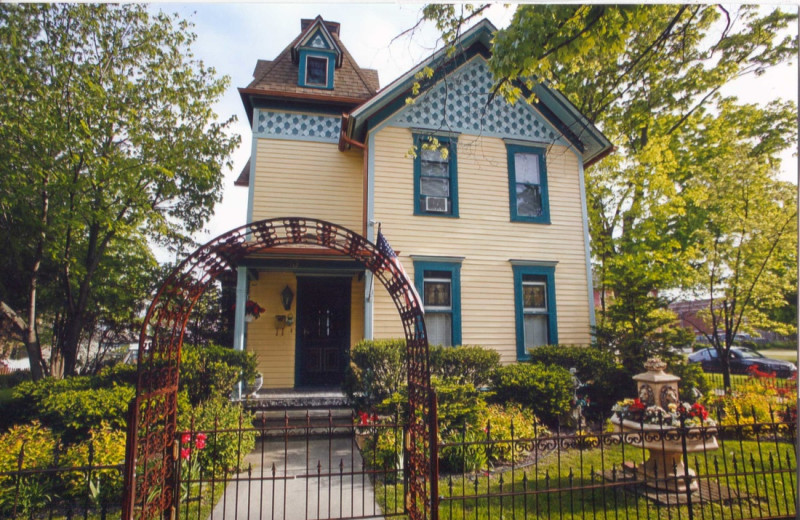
(323, 330)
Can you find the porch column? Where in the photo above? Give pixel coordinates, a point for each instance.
(239, 324)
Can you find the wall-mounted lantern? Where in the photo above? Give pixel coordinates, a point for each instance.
(286, 298)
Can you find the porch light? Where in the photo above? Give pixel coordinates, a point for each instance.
(286, 298)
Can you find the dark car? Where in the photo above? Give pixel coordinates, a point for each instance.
(742, 359)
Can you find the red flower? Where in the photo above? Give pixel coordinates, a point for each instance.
(698, 410)
(200, 443)
(185, 438)
(186, 453)
(201, 437)
(363, 418)
(636, 406)
(374, 418)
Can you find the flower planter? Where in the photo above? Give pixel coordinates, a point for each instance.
(664, 468)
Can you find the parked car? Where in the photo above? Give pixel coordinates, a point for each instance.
(741, 360)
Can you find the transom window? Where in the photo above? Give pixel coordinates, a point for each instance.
(528, 184)
(316, 71)
(435, 179)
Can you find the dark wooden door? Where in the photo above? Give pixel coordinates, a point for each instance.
(323, 330)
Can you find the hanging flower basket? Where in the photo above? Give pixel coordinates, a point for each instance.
(252, 310)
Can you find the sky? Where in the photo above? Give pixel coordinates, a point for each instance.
(231, 37)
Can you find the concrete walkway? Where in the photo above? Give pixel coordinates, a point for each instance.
(311, 481)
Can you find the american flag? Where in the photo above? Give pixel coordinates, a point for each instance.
(396, 267)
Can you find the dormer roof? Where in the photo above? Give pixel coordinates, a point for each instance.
(317, 34)
(277, 80)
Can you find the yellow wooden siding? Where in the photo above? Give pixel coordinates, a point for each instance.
(275, 354)
(310, 179)
(485, 236)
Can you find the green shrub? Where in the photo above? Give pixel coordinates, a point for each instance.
(77, 412)
(39, 445)
(546, 390)
(692, 378)
(28, 397)
(104, 447)
(119, 374)
(377, 370)
(467, 364)
(224, 451)
(604, 381)
(210, 371)
(491, 435)
(458, 404)
(466, 454)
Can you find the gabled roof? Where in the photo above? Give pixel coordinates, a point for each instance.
(553, 105)
(309, 28)
(277, 79)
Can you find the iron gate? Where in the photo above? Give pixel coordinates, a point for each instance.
(150, 456)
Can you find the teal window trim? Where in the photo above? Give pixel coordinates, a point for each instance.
(330, 56)
(454, 268)
(452, 143)
(511, 150)
(548, 274)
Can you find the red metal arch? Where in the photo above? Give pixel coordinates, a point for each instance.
(150, 461)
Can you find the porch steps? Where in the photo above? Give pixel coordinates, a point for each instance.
(301, 412)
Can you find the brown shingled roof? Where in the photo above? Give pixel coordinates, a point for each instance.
(280, 75)
(244, 176)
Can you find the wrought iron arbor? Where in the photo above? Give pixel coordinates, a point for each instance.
(150, 469)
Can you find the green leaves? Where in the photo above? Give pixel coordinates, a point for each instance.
(108, 140)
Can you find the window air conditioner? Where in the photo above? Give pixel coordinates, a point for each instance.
(437, 204)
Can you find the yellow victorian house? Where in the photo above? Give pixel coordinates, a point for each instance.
(482, 200)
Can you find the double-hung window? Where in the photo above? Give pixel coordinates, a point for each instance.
(527, 179)
(439, 285)
(435, 176)
(535, 308)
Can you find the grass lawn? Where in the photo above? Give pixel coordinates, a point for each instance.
(784, 355)
(568, 486)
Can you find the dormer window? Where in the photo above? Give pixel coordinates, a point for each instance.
(317, 54)
(316, 71)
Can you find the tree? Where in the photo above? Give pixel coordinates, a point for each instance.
(646, 75)
(107, 136)
(748, 244)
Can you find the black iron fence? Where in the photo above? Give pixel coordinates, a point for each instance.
(33, 489)
(312, 466)
(320, 466)
(636, 471)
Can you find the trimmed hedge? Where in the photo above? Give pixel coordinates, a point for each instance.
(210, 371)
(467, 364)
(604, 381)
(547, 390)
(378, 368)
